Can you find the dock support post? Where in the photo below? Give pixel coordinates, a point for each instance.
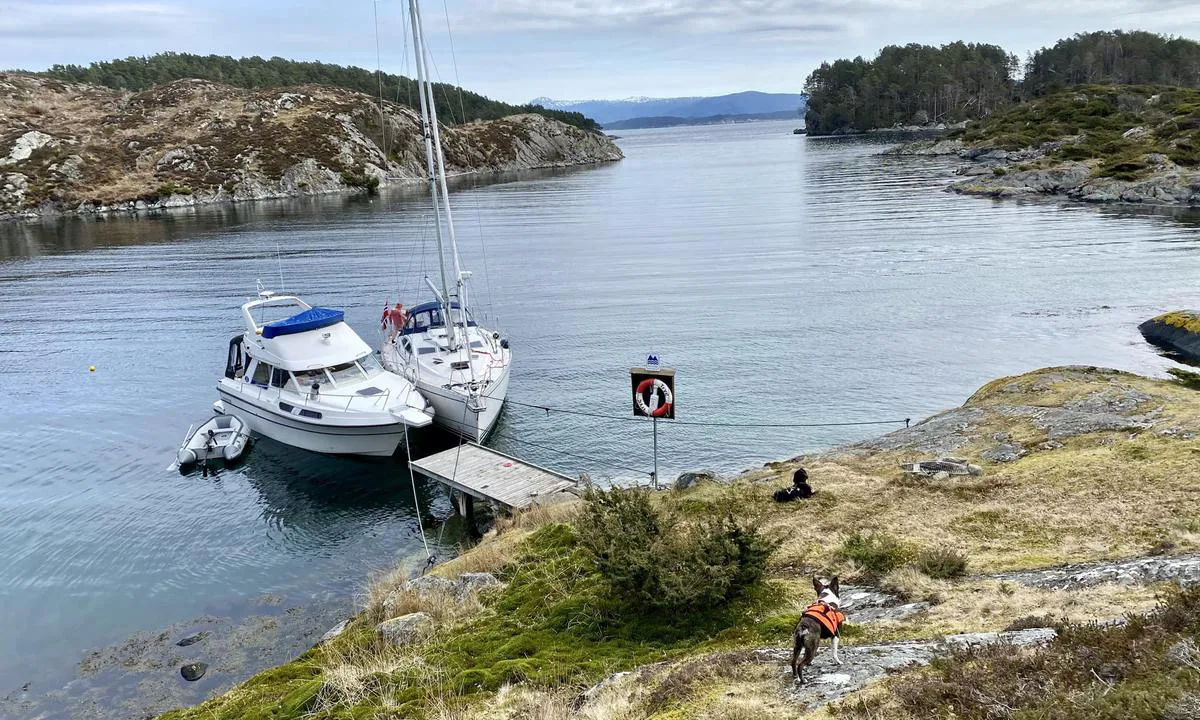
(466, 506)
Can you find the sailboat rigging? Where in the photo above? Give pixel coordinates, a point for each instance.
(461, 368)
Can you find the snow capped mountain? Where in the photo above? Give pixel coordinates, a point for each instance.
(552, 104)
(743, 103)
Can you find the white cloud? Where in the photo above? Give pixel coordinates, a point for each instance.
(695, 16)
(29, 21)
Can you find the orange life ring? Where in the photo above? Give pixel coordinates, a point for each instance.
(648, 384)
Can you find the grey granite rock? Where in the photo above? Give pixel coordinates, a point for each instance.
(334, 631)
(688, 479)
(404, 629)
(1184, 569)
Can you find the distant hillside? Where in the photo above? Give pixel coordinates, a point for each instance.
(926, 85)
(76, 148)
(606, 112)
(673, 121)
(143, 73)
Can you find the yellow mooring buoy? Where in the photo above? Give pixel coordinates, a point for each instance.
(91, 368)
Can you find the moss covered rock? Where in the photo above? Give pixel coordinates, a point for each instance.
(1177, 331)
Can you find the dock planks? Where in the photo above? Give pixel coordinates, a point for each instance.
(493, 476)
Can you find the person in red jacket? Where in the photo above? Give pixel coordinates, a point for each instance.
(394, 319)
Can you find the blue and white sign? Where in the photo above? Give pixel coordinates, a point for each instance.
(652, 361)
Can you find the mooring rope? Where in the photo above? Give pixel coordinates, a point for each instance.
(429, 558)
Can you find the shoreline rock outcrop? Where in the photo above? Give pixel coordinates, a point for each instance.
(1129, 144)
(995, 172)
(1177, 332)
(69, 148)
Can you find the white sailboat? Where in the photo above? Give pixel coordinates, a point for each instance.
(460, 367)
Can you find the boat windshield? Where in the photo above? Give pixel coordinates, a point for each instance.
(370, 365)
(345, 373)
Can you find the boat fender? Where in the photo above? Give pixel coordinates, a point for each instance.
(219, 407)
(504, 343)
(186, 456)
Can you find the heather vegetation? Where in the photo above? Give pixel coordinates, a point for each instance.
(1146, 668)
(1118, 126)
(455, 104)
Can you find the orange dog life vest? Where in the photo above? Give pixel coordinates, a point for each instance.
(830, 618)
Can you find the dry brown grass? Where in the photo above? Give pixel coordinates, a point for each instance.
(1102, 495)
(388, 596)
(500, 546)
(563, 509)
(993, 605)
(357, 675)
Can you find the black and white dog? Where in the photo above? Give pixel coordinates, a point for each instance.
(822, 619)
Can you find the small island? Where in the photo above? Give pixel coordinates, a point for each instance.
(1099, 117)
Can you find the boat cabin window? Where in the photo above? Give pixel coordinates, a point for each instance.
(426, 350)
(345, 373)
(305, 378)
(476, 345)
(370, 364)
(262, 374)
(279, 378)
(422, 321)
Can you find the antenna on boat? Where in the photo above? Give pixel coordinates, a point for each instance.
(279, 259)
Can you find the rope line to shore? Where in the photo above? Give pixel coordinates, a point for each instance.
(630, 418)
(703, 423)
(589, 458)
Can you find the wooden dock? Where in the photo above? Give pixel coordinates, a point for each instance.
(475, 471)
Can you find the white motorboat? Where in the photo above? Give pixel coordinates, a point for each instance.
(223, 437)
(460, 367)
(308, 380)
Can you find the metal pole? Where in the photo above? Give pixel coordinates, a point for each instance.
(655, 453)
(428, 119)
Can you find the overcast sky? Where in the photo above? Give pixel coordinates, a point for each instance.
(515, 50)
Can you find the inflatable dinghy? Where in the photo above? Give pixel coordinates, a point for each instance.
(224, 437)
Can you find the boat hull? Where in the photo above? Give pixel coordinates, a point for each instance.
(372, 440)
(451, 413)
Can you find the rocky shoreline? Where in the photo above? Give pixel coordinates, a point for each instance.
(994, 172)
(72, 149)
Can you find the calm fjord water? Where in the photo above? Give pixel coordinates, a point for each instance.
(789, 280)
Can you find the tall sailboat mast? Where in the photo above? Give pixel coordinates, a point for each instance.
(432, 128)
(429, 125)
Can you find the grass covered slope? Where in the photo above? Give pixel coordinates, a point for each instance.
(1078, 464)
(1134, 144)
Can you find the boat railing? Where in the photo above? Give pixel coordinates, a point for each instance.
(327, 400)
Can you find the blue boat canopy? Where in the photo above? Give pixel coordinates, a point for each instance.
(310, 319)
(426, 315)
